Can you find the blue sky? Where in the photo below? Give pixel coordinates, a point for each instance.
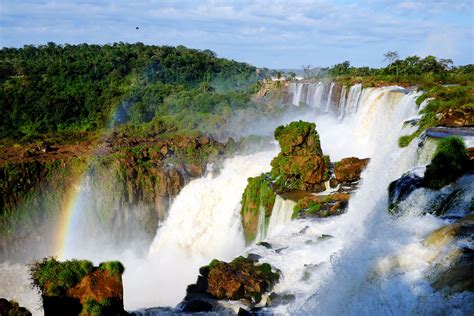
(271, 33)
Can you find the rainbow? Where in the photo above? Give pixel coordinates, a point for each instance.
(66, 220)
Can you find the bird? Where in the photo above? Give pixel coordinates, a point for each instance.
(137, 28)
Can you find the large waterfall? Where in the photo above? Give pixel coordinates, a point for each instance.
(333, 266)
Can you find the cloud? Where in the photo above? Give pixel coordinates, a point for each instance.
(321, 31)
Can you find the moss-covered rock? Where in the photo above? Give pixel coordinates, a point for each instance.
(321, 205)
(449, 162)
(300, 165)
(349, 169)
(258, 194)
(77, 287)
(241, 278)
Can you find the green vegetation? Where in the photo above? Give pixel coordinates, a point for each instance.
(105, 307)
(53, 277)
(300, 164)
(115, 268)
(441, 98)
(70, 89)
(257, 194)
(305, 207)
(449, 162)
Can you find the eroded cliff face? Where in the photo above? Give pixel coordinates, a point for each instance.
(126, 187)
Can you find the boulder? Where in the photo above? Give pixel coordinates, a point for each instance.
(77, 287)
(239, 279)
(321, 205)
(453, 268)
(349, 169)
(456, 117)
(400, 189)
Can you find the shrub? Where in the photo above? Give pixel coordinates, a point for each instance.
(53, 278)
(449, 162)
(115, 268)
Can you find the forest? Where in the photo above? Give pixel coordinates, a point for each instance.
(71, 89)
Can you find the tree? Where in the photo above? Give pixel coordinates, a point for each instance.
(391, 56)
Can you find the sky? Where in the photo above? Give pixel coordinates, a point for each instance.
(265, 33)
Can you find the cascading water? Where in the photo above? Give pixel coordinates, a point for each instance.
(203, 224)
(339, 265)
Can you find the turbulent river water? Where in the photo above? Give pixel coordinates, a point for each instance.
(363, 262)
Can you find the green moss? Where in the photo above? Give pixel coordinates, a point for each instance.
(115, 268)
(93, 308)
(305, 207)
(298, 138)
(449, 162)
(53, 278)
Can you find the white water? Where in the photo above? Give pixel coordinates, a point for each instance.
(203, 223)
(281, 215)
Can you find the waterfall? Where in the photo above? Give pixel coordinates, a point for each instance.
(328, 103)
(281, 215)
(342, 103)
(203, 223)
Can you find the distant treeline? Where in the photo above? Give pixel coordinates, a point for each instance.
(69, 88)
(412, 65)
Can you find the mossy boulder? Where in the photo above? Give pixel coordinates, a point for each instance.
(76, 287)
(453, 267)
(301, 164)
(239, 279)
(321, 205)
(298, 139)
(258, 194)
(349, 169)
(449, 162)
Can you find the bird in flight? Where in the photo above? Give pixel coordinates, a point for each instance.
(137, 28)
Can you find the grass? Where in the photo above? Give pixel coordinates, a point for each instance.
(442, 98)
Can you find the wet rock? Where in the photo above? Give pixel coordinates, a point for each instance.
(349, 169)
(241, 278)
(197, 306)
(321, 205)
(265, 244)
(400, 189)
(456, 117)
(11, 308)
(453, 267)
(254, 257)
(275, 299)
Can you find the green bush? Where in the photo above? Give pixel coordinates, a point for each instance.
(115, 268)
(53, 278)
(449, 162)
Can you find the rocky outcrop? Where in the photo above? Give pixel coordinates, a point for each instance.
(77, 287)
(453, 266)
(239, 279)
(456, 117)
(349, 169)
(321, 205)
(11, 308)
(400, 189)
(129, 180)
(299, 171)
(300, 165)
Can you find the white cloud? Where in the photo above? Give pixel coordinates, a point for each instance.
(321, 27)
